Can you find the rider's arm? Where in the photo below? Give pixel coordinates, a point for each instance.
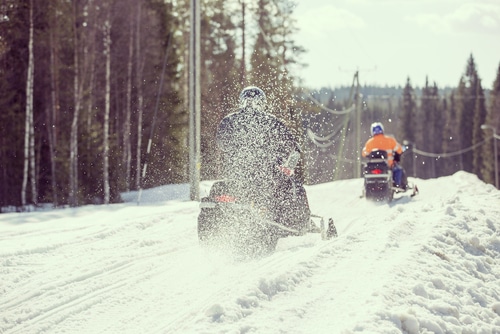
(367, 149)
(398, 148)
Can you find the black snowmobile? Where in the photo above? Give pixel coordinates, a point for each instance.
(378, 179)
(260, 200)
(247, 219)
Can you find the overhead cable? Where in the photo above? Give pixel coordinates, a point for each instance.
(336, 112)
(451, 154)
(320, 141)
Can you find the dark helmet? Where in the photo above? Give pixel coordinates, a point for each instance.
(376, 128)
(252, 97)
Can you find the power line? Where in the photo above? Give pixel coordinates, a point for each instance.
(335, 112)
(153, 125)
(450, 154)
(316, 142)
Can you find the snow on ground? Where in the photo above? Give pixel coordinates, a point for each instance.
(430, 264)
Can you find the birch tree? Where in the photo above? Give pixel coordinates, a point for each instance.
(127, 147)
(140, 98)
(107, 52)
(53, 109)
(73, 145)
(29, 134)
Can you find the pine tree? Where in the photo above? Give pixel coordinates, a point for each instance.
(169, 130)
(466, 103)
(13, 73)
(493, 120)
(429, 140)
(477, 133)
(220, 77)
(438, 125)
(274, 53)
(454, 142)
(409, 122)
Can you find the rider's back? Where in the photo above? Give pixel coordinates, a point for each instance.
(385, 143)
(253, 140)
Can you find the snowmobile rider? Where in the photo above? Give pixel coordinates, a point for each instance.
(259, 153)
(380, 141)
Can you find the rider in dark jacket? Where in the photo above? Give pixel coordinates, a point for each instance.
(259, 155)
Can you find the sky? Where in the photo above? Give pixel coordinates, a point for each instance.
(427, 264)
(391, 40)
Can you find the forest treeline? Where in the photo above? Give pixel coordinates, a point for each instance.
(94, 90)
(441, 127)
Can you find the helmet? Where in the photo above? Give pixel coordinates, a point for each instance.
(376, 128)
(252, 97)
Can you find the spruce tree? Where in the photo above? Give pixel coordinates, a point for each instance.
(409, 122)
(454, 132)
(438, 125)
(14, 53)
(274, 53)
(493, 120)
(466, 103)
(220, 77)
(477, 133)
(430, 139)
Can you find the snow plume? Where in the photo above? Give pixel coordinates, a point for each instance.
(423, 265)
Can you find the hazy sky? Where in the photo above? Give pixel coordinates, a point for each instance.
(390, 40)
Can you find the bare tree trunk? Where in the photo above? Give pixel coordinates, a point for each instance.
(90, 69)
(29, 142)
(33, 176)
(127, 150)
(52, 125)
(107, 51)
(73, 145)
(140, 98)
(91, 87)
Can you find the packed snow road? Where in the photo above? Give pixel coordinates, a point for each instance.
(426, 264)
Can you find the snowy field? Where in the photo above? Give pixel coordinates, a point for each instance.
(430, 264)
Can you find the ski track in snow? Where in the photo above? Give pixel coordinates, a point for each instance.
(421, 265)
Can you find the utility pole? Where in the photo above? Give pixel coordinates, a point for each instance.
(194, 103)
(358, 109)
(495, 137)
(414, 147)
(357, 165)
(243, 45)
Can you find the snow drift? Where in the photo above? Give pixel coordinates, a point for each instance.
(429, 264)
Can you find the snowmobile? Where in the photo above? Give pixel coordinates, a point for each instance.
(233, 219)
(378, 179)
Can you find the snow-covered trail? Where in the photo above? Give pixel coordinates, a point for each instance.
(91, 266)
(425, 264)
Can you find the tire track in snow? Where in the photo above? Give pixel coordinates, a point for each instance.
(274, 280)
(236, 293)
(54, 299)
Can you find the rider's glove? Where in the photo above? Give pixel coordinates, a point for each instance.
(289, 165)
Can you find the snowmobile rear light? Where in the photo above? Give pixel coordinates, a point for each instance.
(377, 171)
(225, 199)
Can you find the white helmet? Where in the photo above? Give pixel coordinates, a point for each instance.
(376, 128)
(253, 97)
